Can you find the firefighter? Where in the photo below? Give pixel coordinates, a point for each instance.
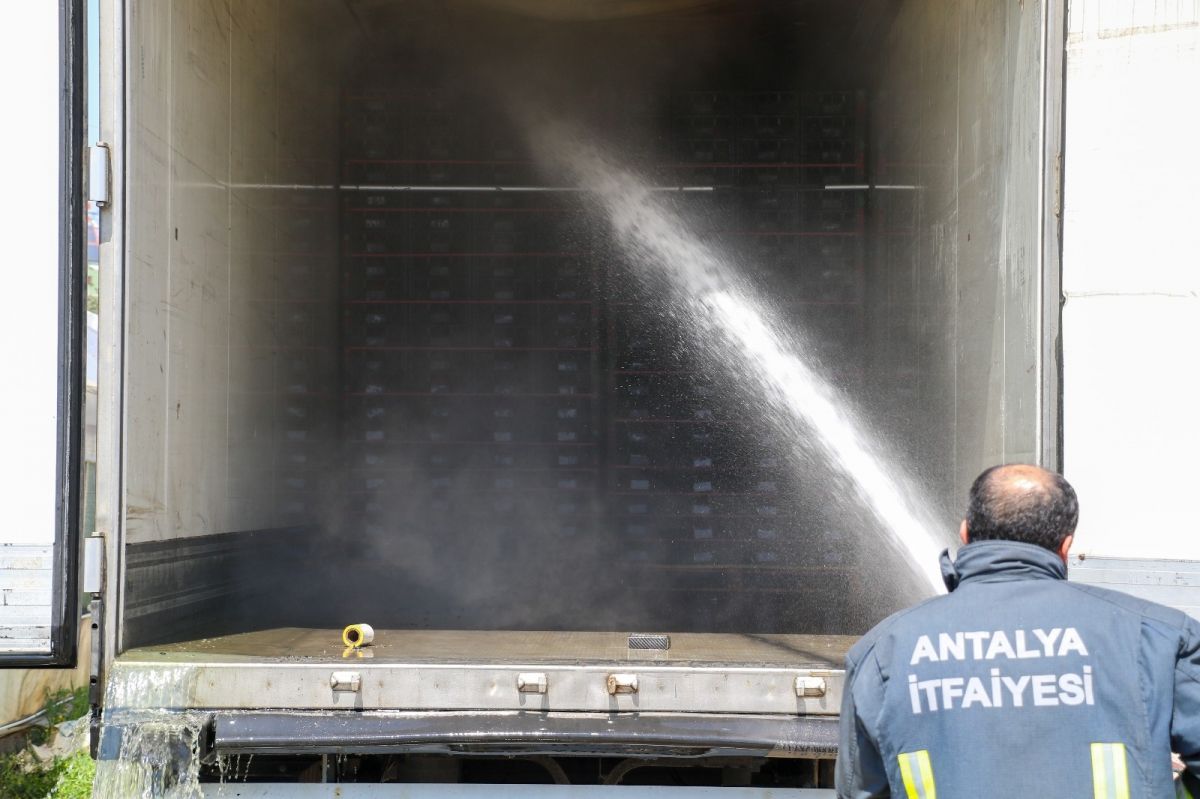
(1018, 683)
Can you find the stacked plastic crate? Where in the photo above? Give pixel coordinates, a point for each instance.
(833, 243)
(832, 284)
(704, 498)
(304, 350)
(468, 325)
(474, 414)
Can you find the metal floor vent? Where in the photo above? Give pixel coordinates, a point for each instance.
(656, 641)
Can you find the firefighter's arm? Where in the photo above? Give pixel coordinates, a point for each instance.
(1185, 720)
(860, 769)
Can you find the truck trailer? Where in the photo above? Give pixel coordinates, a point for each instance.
(371, 353)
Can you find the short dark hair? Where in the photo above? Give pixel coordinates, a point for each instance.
(1015, 502)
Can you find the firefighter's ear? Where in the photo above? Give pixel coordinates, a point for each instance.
(1065, 548)
(963, 535)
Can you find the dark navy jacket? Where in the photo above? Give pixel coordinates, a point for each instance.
(1020, 684)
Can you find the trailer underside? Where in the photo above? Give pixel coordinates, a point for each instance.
(568, 708)
(475, 670)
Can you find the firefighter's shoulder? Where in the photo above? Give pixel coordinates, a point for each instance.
(883, 633)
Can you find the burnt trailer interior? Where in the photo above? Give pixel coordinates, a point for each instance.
(385, 361)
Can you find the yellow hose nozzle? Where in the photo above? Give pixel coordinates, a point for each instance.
(357, 635)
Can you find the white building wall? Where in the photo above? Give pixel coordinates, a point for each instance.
(29, 206)
(1131, 275)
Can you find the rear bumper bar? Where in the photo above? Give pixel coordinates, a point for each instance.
(684, 735)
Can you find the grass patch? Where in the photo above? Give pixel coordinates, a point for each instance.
(60, 706)
(24, 776)
(75, 777)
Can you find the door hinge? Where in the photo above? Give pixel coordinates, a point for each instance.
(99, 189)
(96, 677)
(93, 564)
(93, 583)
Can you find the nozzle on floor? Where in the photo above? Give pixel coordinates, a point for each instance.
(356, 635)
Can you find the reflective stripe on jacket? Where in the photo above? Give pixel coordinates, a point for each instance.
(1021, 684)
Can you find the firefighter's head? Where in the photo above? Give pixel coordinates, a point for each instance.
(1018, 502)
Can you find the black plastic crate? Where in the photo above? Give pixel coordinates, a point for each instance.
(304, 231)
(765, 221)
(302, 324)
(566, 326)
(377, 420)
(705, 126)
(774, 126)
(831, 222)
(831, 151)
(378, 172)
(768, 251)
(770, 175)
(521, 231)
(830, 128)
(704, 103)
(768, 150)
(447, 137)
(832, 175)
(435, 233)
(564, 373)
(502, 279)
(438, 325)
(372, 284)
(509, 372)
(829, 103)
(754, 200)
(704, 153)
(830, 283)
(438, 280)
(568, 278)
(775, 103)
(374, 325)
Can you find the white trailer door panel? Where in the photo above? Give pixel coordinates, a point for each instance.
(1131, 279)
(40, 330)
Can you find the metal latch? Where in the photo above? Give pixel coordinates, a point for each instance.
(809, 686)
(532, 682)
(345, 681)
(622, 684)
(99, 174)
(93, 564)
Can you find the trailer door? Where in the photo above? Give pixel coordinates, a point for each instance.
(41, 330)
(1131, 313)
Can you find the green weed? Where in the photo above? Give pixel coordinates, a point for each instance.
(24, 776)
(76, 777)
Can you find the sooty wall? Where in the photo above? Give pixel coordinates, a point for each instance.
(366, 385)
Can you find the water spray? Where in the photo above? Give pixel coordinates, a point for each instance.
(712, 297)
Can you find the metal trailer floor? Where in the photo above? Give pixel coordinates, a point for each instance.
(449, 670)
(292, 644)
(301, 691)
